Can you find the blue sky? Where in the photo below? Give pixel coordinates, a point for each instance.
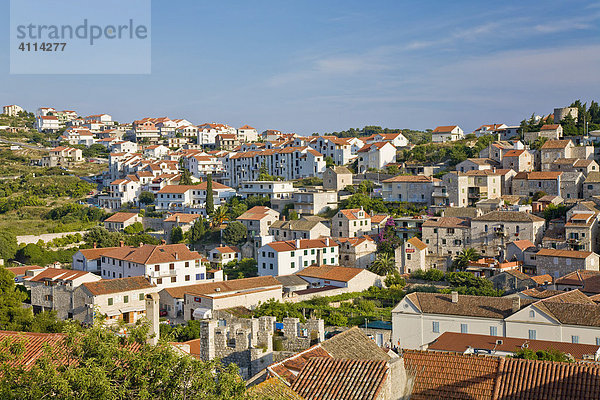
(320, 66)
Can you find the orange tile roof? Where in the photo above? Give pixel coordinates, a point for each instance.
(460, 342)
(416, 242)
(555, 144)
(184, 218)
(444, 129)
(542, 279)
(514, 153)
(411, 179)
(58, 274)
(224, 287)
(563, 253)
(119, 285)
(121, 217)
(330, 272)
(352, 213)
(379, 218)
(523, 244)
(290, 245)
(325, 378)
(153, 254)
(227, 249)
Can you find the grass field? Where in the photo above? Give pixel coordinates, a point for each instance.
(30, 221)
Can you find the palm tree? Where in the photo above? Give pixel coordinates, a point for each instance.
(219, 216)
(383, 265)
(461, 261)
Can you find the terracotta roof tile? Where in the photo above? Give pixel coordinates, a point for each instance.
(223, 287)
(121, 217)
(335, 273)
(324, 378)
(108, 286)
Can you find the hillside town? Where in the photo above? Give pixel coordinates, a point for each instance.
(373, 256)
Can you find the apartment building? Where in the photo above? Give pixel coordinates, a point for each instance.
(291, 256)
(119, 192)
(191, 197)
(339, 149)
(414, 189)
(552, 150)
(310, 201)
(289, 163)
(47, 123)
(247, 134)
(164, 265)
(11, 110)
(62, 156)
(351, 223)
(279, 190)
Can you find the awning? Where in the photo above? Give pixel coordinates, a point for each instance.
(202, 313)
(129, 309)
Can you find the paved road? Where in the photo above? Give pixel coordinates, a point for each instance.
(29, 146)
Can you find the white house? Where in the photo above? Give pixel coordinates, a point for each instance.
(191, 197)
(449, 133)
(376, 156)
(355, 279)
(397, 139)
(11, 110)
(48, 123)
(247, 133)
(288, 257)
(272, 189)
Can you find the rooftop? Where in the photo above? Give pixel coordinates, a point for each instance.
(120, 285)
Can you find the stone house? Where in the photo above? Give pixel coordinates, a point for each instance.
(515, 251)
(414, 189)
(53, 289)
(446, 236)
(258, 220)
(492, 231)
(512, 281)
(115, 299)
(184, 221)
(337, 178)
(356, 252)
(571, 185)
(587, 281)
(526, 184)
(302, 228)
(558, 263)
(411, 256)
(222, 255)
(312, 201)
(350, 223)
(591, 185)
(518, 160)
(581, 227)
(121, 220)
(202, 300)
(555, 149)
(585, 166)
(352, 279)
(476, 164)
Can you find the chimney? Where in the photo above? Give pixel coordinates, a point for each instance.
(177, 219)
(327, 242)
(283, 218)
(454, 297)
(176, 255)
(95, 244)
(297, 243)
(163, 241)
(516, 304)
(152, 305)
(121, 243)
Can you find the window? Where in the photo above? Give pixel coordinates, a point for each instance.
(187, 264)
(408, 256)
(436, 327)
(270, 266)
(312, 251)
(159, 281)
(575, 339)
(532, 334)
(493, 331)
(110, 301)
(333, 261)
(187, 278)
(173, 279)
(157, 268)
(125, 299)
(171, 266)
(598, 341)
(531, 314)
(198, 275)
(293, 265)
(141, 296)
(293, 253)
(305, 263)
(464, 328)
(305, 252)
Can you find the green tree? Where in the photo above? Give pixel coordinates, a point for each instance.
(547, 355)
(102, 237)
(235, 233)
(186, 177)
(394, 280)
(245, 268)
(329, 162)
(336, 319)
(383, 265)
(210, 200)
(13, 316)
(107, 366)
(461, 261)
(176, 235)
(538, 195)
(134, 228)
(198, 230)
(8, 245)
(146, 198)
(219, 216)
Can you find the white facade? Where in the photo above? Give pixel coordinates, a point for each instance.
(376, 156)
(270, 189)
(288, 257)
(11, 110)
